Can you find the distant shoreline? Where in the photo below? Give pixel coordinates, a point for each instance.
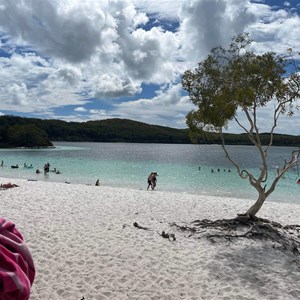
(34, 147)
(129, 131)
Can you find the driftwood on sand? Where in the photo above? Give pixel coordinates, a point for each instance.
(165, 235)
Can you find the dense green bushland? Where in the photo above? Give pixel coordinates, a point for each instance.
(31, 132)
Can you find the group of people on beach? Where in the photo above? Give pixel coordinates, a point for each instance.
(151, 181)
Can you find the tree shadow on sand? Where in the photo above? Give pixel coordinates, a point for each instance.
(266, 272)
(261, 255)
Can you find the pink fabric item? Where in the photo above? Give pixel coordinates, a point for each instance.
(16, 265)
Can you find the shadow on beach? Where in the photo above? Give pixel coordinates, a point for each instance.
(264, 272)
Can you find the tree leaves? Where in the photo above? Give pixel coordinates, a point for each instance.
(234, 78)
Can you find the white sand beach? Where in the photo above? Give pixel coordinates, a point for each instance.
(85, 246)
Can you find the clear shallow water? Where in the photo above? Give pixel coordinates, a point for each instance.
(128, 165)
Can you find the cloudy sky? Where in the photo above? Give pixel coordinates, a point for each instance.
(79, 60)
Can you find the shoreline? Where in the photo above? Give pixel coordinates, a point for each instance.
(84, 244)
(275, 197)
(126, 166)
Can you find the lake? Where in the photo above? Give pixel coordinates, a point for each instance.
(182, 168)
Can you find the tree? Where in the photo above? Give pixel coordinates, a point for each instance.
(235, 79)
(28, 136)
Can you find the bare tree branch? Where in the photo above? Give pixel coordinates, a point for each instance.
(227, 154)
(287, 166)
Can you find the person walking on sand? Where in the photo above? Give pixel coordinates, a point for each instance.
(97, 182)
(149, 180)
(152, 180)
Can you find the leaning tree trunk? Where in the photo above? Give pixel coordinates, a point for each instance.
(252, 211)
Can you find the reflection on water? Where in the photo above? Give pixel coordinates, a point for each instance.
(181, 168)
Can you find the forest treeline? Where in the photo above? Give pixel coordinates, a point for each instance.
(32, 132)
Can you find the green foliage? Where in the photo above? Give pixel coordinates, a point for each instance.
(27, 136)
(115, 130)
(111, 130)
(233, 78)
(204, 137)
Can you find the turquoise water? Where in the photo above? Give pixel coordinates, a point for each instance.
(128, 165)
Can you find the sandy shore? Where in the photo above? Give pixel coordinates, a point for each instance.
(84, 244)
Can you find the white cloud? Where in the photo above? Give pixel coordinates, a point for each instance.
(265, 116)
(167, 9)
(96, 51)
(31, 84)
(99, 114)
(16, 94)
(69, 75)
(70, 52)
(210, 23)
(276, 29)
(167, 108)
(112, 86)
(72, 33)
(80, 109)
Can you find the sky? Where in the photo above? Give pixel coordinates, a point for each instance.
(81, 60)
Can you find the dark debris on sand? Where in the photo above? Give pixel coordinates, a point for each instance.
(283, 237)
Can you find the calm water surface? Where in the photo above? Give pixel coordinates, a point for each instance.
(128, 165)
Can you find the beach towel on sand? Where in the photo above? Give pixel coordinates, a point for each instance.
(16, 265)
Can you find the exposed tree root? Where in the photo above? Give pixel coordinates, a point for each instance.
(243, 226)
